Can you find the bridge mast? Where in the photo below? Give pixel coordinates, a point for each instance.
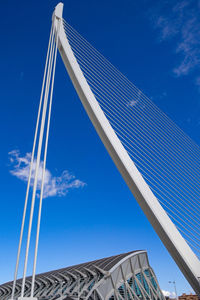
(184, 257)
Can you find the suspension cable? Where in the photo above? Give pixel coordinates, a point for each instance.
(45, 102)
(30, 171)
(44, 165)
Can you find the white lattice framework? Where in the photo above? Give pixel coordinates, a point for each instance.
(127, 276)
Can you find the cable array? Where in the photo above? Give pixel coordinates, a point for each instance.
(166, 157)
(40, 146)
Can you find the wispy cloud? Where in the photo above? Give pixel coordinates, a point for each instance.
(169, 294)
(132, 103)
(21, 76)
(180, 19)
(136, 100)
(54, 186)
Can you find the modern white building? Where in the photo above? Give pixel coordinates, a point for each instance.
(126, 276)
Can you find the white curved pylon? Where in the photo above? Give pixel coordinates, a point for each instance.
(184, 257)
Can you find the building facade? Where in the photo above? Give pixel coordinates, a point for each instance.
(125, 276)
(188, 297)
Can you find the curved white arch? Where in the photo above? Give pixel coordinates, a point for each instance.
(127, 257)
(184, 257)
(108, 284)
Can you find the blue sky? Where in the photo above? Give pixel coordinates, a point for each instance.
(89, 212)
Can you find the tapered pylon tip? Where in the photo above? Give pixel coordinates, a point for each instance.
(58, 10)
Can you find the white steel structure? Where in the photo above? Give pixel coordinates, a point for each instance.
(161, 170)
(127, 276)
(185, 258)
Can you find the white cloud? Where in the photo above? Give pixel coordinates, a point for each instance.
(180, 19)
(135, 101)
(132, 103)
(169, 294)
(54, 186)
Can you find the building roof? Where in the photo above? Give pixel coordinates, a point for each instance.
(104, 264)
(123, 274)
